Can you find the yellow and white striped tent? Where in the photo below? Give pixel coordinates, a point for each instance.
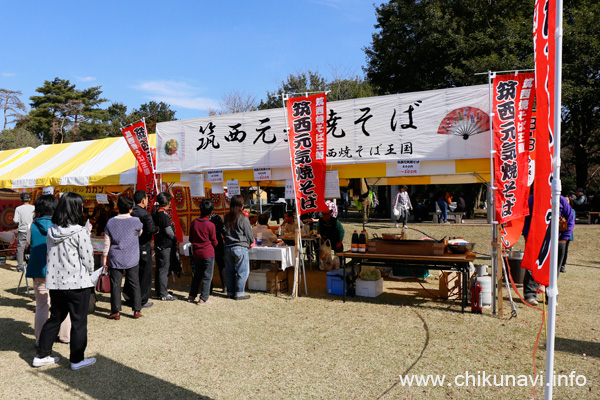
(103, 162)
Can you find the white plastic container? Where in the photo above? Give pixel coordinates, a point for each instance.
(257, 280)
(486, 291)
(369, 288)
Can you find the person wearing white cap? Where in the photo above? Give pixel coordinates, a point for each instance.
(23, 218)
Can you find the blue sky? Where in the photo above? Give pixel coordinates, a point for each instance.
(185, 53)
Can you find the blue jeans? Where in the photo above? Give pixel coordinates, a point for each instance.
(237, 265)
(444, 208)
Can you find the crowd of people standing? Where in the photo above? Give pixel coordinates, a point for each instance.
(62, 261)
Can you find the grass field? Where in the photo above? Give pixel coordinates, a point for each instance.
(315, 346)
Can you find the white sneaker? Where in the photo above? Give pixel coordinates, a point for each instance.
(40, 362)
(397, 225)
(405, 227)
(86, 362)
(532, 301)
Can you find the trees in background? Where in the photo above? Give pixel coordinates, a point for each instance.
(12, 106)
(435, 44)
(343, 86)
(153, 113)
(581, 92)
(235, 101)
(63, 113)
(18, 138)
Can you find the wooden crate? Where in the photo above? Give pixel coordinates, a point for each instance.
(406, 247)
(277, 282)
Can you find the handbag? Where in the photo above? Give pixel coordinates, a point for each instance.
(563, 225)
(396, 211)
(103, 284)
(325, 259)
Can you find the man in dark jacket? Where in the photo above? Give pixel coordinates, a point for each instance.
(145, 270)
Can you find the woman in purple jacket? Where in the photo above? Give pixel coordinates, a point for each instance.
(203, 237)
(529, 285)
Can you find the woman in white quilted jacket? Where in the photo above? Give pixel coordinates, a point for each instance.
(70, 263)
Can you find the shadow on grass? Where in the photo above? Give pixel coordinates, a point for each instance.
(425, 345)
(107, 379)
(578, 347)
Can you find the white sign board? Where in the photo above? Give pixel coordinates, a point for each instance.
(262, 174)
(233, 188)
(408, 167)
(217, 188)
(102, 198)
(215, 176)
(444, 124)
(289, 189)
(197, 185)
(332, 185)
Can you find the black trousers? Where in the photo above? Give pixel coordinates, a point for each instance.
(132, 279)
(530, 286)
(203, 274)
(221, 267)
(161, 274)
(63, 302)
(145, 274)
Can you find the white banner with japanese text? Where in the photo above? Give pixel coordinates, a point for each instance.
(446, 124)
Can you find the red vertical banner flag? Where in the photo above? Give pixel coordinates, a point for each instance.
(537, 248)
(136, 137)
(308, 150)
(513, 97)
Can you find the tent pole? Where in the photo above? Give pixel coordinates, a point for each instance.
(491, 202)
(556, 189)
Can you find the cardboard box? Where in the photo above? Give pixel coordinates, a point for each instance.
(369, 288)
(257, 280)
(277, 282)
(450, 285)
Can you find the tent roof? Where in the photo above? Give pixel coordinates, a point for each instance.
(87, 163)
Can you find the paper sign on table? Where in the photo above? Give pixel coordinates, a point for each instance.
(408, 167)
(289, 189)
(233, 188)
(102, 198)
(332, 185)
(215, 176)
(262, 174)
(197, 185)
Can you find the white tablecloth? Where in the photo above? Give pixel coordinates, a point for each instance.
(285, 255)
(7, 237)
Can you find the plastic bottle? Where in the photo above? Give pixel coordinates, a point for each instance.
(259, 239)
(362, 242)
(354, 246)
